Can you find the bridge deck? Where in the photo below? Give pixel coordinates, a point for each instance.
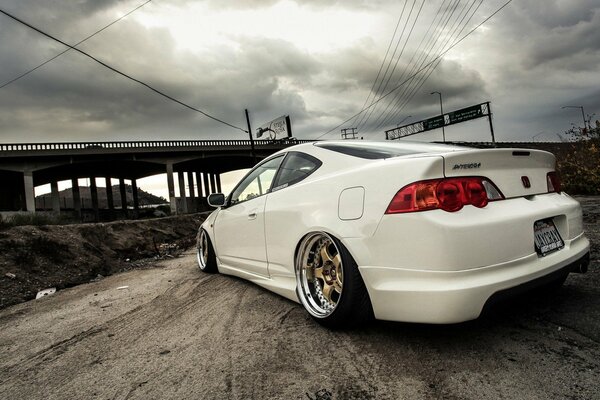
(63, 148)
(23, 166)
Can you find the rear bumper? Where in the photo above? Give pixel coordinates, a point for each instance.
(442, 297)
(471, 238)
(579, 265)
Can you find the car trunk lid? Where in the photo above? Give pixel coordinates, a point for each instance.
(516, 172)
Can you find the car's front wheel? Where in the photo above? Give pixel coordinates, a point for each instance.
(329, 284)
(205, 253)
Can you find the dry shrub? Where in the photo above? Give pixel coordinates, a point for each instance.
(580, 168)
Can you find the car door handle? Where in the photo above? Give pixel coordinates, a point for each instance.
(252, 215)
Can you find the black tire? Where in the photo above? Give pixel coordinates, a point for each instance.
(352, 305)
(205, 253)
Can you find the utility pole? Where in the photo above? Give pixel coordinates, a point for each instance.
(349, 133)
(489, 107)
(251, 138)
(442, 114)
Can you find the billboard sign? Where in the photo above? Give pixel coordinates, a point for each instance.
(277, 129)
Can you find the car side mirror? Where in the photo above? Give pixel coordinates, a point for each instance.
(216, 200)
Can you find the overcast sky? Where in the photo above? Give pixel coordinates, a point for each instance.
(315, 60)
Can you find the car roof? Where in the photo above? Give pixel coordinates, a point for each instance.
(352, 147)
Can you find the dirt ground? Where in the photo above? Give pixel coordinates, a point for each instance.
(33, 258)
(172, 332)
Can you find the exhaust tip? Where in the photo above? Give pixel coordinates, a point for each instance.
(581, 266)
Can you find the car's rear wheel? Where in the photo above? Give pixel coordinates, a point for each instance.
(205, 253)
(328, 282)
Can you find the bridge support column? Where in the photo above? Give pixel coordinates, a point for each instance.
(206, 186)
(123, 194)
(29, 191)
(76, 196)
(182, 196)
(55, 197)
(192, 189)
(201, 192)
(218, 178)
(213, 184)
(199, 185)
(109, 195)
(171, 185)
(136, 200)
(94, 193)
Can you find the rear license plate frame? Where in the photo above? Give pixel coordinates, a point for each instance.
(546, 237)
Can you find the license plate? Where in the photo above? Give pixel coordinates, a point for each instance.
(546, 236)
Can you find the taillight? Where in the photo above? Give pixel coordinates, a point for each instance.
(450, 194)
(553, 181)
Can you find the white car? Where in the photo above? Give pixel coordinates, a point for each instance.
(403, 231)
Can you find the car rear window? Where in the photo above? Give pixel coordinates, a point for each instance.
(295, 168)
(370, 151)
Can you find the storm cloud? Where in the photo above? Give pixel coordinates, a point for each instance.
(529, 60)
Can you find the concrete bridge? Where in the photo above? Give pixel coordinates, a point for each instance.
(23, 166)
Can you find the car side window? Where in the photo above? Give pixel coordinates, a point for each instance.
(257, 182)
(295, 168)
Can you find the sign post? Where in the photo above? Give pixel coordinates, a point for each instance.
(251, 138)
(489, 114)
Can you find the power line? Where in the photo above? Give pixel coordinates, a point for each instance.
(423, 57)
(378, 91)
(426, 47)
(413, 87)
(75, 45)
(120, 73)
(421, 81)
(398, 59)
(385, 57)
(423, 68)
(430, 44)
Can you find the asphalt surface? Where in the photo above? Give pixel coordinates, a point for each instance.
(176, 333)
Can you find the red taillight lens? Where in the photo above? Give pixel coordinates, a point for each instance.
(476, 193)
(553, 181)
(450, 195)
(419, 196)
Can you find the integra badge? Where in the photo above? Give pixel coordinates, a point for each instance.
(467, 166)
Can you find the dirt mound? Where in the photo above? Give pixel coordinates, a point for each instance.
(33, 258)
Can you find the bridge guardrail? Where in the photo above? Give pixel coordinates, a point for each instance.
(10, 147)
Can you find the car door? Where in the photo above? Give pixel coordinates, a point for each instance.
(283, 213)
(239, 227)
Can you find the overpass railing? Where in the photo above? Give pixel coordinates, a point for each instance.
(144, 144)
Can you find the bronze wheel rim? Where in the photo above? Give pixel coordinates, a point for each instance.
(319, 274)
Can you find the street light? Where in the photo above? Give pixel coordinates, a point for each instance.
(442, 112)
(582, 114)
(399, 123)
